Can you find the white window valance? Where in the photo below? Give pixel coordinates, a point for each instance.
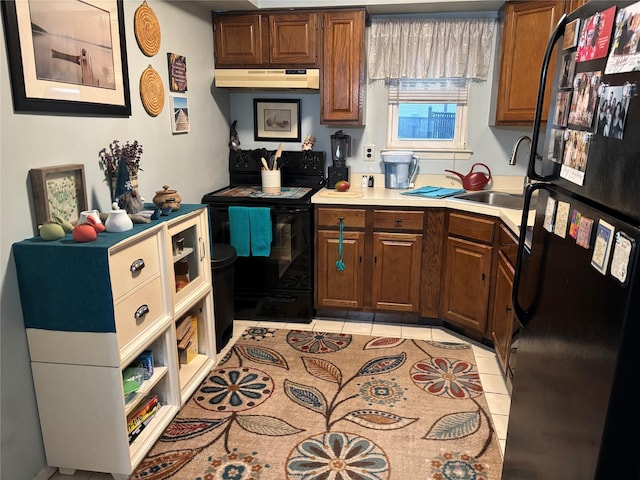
(430, 48)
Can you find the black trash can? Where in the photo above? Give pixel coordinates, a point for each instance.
(223, 257)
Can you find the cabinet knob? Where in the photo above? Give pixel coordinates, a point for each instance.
(141, 311)
(398, 223)
(137, 265)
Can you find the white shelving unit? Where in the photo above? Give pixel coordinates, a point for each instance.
(112, 300)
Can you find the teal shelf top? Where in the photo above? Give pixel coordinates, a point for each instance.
(66, 286)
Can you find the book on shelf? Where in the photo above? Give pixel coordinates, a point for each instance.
(140, 417)
(184, 325)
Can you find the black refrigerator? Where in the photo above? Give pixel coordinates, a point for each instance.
(575, 413)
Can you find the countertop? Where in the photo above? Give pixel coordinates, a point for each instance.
(380, 196)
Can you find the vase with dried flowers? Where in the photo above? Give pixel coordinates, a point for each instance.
(130, 152)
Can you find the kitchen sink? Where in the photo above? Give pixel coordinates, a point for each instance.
(496, 199)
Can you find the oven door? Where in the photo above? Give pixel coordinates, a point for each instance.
(278, 287)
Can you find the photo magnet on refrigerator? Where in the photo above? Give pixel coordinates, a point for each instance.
(623, 250)
(602, 247)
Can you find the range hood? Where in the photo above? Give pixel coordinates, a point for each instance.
(268, 78)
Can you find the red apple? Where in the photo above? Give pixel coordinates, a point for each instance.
(342, 186)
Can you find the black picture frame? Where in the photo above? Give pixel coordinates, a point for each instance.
(33, 93)
(276, 120)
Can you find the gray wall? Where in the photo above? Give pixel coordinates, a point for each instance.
(192, 163)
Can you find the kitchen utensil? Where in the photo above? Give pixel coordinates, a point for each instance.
(400, 167)
(265, 166)
(474, 180)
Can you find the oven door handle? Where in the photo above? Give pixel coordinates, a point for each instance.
(288, 210)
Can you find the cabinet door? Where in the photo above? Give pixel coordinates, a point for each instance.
(339, 288)
(467, 283)
(240, 40)
(527, 28)
(294, 39)
(396, 271)
(189, 259)
(502, 315)
(571, 5)
(342, 96)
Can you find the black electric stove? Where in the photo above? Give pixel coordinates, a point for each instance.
(277, 287)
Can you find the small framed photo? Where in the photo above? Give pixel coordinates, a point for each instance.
(277, 120)
(177, 72)
(179, 114)
(58, 192)
(570, 39)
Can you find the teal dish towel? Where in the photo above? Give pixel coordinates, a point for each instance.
(239, 230)
(260, 227)
(434, 192)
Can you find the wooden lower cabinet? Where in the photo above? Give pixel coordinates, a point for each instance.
(467, 283)
(334, 287)
(502, 311)
(396, 271)
(466, 286)
(503, 321)
(381, 268)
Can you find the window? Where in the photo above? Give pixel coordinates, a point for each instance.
(429, 116)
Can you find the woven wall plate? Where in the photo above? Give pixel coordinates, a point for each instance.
(147, 29)
(151, 91)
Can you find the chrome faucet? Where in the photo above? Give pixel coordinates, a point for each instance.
(512, 160)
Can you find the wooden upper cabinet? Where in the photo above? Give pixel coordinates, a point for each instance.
(267, 40)
(342, 98)
(527, 28)
(240, 40)
(571, 5)
(294, 39)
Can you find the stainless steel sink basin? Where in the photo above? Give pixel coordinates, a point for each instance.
(496, 199)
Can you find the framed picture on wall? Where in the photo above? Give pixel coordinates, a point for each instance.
(180, 122)
(67, 56)
(277, 120)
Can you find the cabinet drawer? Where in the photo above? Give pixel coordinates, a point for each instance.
(472, 227)
(508, 244)
(397, 220)
(330, 217)
(124, 275)
(127, 325)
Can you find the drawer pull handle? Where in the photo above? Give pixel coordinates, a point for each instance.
(137, 265)
(398, 223)
(141, 311)
(201, 241)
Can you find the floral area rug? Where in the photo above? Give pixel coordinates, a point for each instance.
(303, 405)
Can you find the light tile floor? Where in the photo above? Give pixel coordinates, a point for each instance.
(491, 376)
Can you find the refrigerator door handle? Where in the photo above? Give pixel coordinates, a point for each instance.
(523, 315)
(555, 36)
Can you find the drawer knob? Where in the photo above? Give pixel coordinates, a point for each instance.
(141, 311)
(137, 265)
(398, 223)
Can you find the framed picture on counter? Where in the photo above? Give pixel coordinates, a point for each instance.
(276, 120)
(67, 56)
(58, 191)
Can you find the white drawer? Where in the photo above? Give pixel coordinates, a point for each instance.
(134, 265)
(127, 325)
